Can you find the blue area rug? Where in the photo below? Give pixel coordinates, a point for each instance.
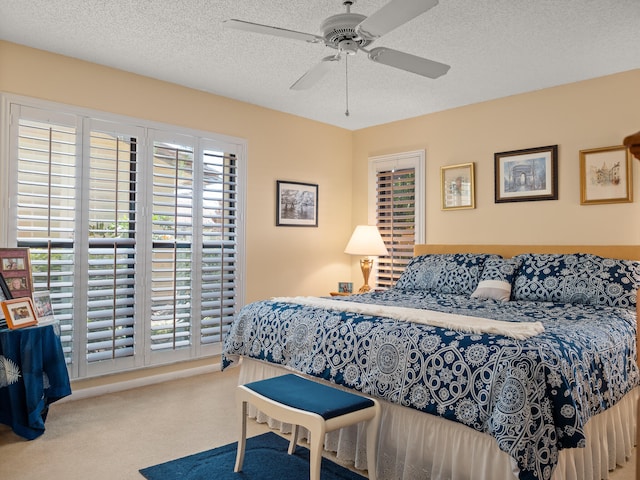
(265, 458)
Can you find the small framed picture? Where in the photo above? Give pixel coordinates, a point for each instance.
(43, 307)
(19, 313)
(15, 267)
(345, 287)
(296, 204)
(526, 175)
(606, 175)
(457, 186)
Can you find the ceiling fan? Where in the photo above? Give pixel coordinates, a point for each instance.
(349, 32)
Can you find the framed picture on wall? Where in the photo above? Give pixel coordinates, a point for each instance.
(526, 175)
(15, 267)
(457, 186)
(606, 175)
(296, 204)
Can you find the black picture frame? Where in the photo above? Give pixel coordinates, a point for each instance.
(296, 204)
(5, 293)
(526, 175)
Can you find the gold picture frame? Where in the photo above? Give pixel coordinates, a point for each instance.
(19, 313)
(457, 186)
(606, 175)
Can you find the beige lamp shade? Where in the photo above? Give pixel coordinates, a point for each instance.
(366, 240)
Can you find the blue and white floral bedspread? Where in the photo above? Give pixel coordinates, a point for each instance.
(533, 396)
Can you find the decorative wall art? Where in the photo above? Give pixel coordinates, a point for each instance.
(606, 175)
(526, 175)
(296, 204)
(457, 186)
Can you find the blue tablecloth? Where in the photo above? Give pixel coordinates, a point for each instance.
(33, 374)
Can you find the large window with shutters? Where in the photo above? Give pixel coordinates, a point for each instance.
(396, 206)
(135, 229)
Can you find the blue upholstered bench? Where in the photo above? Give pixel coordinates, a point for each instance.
(318, 407)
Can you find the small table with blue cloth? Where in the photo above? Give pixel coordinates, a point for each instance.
(33, 374)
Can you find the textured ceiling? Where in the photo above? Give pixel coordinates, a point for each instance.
(495, 48)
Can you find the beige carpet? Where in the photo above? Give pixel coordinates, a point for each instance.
(112, 436)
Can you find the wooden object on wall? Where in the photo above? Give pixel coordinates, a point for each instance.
(632, 142)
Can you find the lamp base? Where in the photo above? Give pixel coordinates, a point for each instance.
(365, 266)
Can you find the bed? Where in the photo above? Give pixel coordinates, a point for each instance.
(491, 361)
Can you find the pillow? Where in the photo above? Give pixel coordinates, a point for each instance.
(577, 278)
(497, 276)
(456, 273)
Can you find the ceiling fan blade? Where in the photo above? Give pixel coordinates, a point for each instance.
(392, 15)
(408, 62)
(267, 30)
(316, 72)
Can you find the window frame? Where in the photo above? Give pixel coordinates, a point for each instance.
(79, 367)
(415, 159)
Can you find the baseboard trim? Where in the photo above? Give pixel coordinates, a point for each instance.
(114, 387)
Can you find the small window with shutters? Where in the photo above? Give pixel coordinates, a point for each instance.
(396, 206)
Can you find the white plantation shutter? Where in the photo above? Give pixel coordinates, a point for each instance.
(396, 220)
(135, 230)
(46, 167)
(219, 244)
(112, 235)
(172, 224)
(396, 206)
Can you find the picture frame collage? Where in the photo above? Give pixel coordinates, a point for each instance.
(21, 306)
(531, 174)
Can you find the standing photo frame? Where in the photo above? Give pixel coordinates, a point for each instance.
(606, 175)
(19, 313)
(43, 307)
(15, 267)
(296, 204)
(457, 186)
(526, 175)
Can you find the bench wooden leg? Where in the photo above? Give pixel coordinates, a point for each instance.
(294, 439)
(373, 426)
(242, 438)
(316, 445)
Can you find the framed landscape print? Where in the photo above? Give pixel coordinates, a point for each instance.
(296, 204)
(15, 268)
(606, 175)
(457, 186)
(526, 175)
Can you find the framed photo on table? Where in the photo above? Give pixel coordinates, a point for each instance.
(43, 307)
(19, 313)
(296, 204)
(606, 175)
(15, 267)
(457, 186)
(526, 175)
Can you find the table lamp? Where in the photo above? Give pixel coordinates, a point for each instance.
(366, 240)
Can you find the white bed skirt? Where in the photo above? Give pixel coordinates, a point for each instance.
(417, 446)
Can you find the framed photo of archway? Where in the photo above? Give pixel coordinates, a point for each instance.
(526, 175)
(606, 175)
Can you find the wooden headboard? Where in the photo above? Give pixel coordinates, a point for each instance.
(623, 252)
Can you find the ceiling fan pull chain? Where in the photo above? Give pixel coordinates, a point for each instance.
(346, 83)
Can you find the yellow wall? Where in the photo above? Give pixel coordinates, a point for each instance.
(280, 260)
(588, 114)
(309, 261)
